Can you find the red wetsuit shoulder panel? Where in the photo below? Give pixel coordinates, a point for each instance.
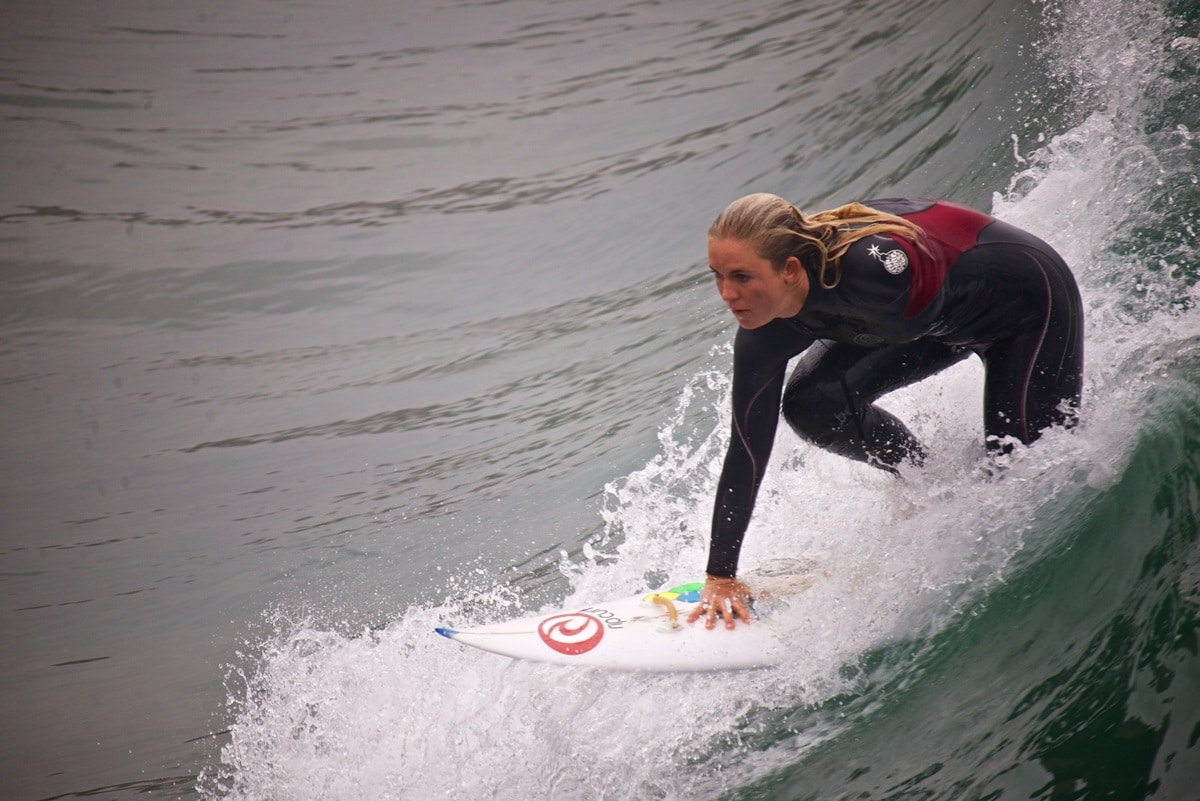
(950, 229)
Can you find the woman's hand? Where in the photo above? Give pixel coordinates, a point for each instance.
(724, 597)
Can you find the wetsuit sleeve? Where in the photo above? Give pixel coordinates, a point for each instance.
(760, 358)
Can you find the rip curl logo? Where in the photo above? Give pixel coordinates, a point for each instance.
(894, 261)
(572, 634)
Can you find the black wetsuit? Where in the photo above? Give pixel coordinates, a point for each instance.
(898, 314)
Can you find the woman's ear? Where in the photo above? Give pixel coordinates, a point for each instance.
(792, 270)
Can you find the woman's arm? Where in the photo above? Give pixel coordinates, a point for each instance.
(760, 358)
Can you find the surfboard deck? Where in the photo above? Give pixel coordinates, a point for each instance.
(644, 632)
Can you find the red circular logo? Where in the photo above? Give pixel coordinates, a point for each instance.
(572, 634)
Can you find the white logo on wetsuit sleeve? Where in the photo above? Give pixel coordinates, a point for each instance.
(894, 261)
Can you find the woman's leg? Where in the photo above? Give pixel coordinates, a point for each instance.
(1034, 380)
(830, 397)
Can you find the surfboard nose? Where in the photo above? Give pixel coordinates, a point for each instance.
(448, 633)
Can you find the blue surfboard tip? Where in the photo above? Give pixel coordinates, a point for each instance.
(449, 633)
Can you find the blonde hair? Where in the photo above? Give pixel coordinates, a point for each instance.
(777, 230)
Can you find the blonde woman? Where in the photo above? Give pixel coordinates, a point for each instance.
(877, 295)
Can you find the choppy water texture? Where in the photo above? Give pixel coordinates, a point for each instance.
(324, 324)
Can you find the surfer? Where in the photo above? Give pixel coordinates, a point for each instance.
(876, 296)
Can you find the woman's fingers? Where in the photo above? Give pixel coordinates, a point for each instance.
(724, 598)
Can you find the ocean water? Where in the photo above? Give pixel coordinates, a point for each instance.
(325, 324)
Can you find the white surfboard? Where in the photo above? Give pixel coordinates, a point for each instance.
(643, 632)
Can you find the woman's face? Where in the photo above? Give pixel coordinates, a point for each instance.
(753, 290)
